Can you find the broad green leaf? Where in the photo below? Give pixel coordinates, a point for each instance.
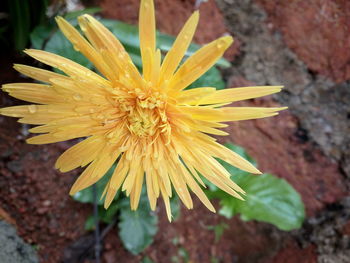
(137, 228)
(268, 198)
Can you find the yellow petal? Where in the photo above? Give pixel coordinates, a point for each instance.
(80, 154)
(230, 113)
(156, 67)
(134, 168)
(217, 150)
(166, 202)
(192, 96)
(178, 50)
(151, 182)
(176, 178)
(96, 170)
(237, 94)
(37, 93)
(199, 63)
(136, 191)
(109, 46)
(37, 73)
(116, 180)
(196, 189)
(67, 66)
(81, 44)
(39, 114)
(147, 34)
(44, 139)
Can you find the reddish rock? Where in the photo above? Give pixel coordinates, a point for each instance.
(346, 229)
(281, 148)
(317, 31)
(292, 253)
(171, 16)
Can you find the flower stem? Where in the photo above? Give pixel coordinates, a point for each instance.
(97, 228)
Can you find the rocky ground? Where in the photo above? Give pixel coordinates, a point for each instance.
(299, 44)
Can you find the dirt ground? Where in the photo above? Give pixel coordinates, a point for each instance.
(302, 45)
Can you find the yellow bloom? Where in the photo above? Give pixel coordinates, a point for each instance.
(156, 128)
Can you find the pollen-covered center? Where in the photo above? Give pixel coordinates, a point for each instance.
(145, 115)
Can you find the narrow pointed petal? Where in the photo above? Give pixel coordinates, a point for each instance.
(44, 139)
(179, 48)
(81, 44)
(80, 154)
(136, 191)
(36, 93)
(147, 34)
(166, 202)
(193, 96)
(238, 94)
(116, 180)
(37, 73)
(96, 170)
(201, 61)
(231, 113)
(67, 66)
(197, 190)
(109, 47)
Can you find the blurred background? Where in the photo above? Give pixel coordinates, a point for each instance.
(303, 45)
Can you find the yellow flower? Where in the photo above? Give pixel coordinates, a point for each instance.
(155, 128)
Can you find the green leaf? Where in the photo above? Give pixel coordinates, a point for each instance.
(90, 223)
(268, 198)
(75, 14)
(137, 228)
(146, 259)
(107, 215)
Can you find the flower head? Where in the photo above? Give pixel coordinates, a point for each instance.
(155, 128)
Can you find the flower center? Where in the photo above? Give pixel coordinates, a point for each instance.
(142, 122)
(145, 116)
